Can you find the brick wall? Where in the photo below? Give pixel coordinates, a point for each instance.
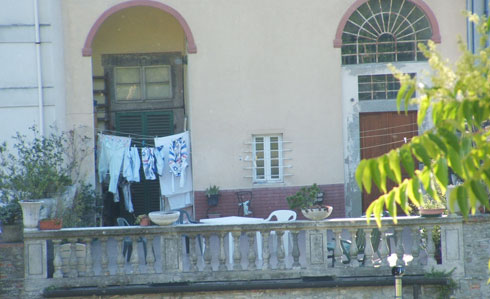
(11, 270)
(266, 200)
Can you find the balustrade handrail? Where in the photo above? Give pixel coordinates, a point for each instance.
(341, 223)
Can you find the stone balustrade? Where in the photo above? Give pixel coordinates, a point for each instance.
(196, 252)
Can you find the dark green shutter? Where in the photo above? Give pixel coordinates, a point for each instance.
(146, 194)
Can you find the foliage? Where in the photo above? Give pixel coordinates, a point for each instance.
(81, 212)
(444, 290)
(138, 219)
(39, 168)
(212, 190)
(459, 103)
(10, 213)
(430, 203)
(304, 198)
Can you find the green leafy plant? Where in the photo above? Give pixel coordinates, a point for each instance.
(81, 212)
(140, 218)
(10, 213)
(306, 197)
(444, 291)
(459, 100)
(38, 168)
(212, 190)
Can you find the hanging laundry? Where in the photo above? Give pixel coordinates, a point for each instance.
(148, 159)
(111, 158)
(126, 190)
(131, 165)
(178, 197)
(159, 159)
(177, 159)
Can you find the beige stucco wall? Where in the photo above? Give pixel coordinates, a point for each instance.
(137, 30)
(261, 67)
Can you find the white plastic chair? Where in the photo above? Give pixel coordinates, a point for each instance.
(283, 216)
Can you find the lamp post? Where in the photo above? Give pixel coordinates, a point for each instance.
(398, 272)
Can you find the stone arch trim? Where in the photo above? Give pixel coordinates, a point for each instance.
(436, 35)
(191, 45)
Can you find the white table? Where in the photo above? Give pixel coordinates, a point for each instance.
(237, 220)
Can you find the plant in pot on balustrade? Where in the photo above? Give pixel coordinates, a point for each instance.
(10, 220)
(212, 193)
(307, 199)
(33, 170)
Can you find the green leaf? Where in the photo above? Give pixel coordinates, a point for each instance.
(413, 191)
(425, 178)
(455, 162)
(359, 173)
(450, 137)
(394, 161)
(386, 164)
(420, 153)
(441, 173)
(378, 209)
(382, 173)
(467, 111)
(400, 95)
(461, 198)
(424, 105)
(408, 95)
(369, 211)
(366, 177)
(479, 191)
(402, 197)
(375, 172)
(407, 160)
(438, 141)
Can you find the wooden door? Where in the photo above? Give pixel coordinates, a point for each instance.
(381, 132)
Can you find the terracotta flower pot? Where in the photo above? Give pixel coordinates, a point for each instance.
(50, 224)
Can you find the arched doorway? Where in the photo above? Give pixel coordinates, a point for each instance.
(138, 51)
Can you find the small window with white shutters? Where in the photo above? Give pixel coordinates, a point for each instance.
(267, 158)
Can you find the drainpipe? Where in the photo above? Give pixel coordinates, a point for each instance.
(40, 95)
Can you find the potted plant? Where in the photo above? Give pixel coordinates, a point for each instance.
(306, 200)
(38, 169)
(52, 217)
(11, 221)
(212, 193)
(142, 220)
(431, 207)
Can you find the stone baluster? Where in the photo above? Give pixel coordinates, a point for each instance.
(280, 250)
(265, 250)
(383, 249)
(295, 252)
(251, 251)
(135, 256)
(222, 255)
(354, 263)
(72, 259)
(416, 241)
(237, 256)
(338, 248)
(103, 257)
(89, 269)
(121, 258)
(431, 261)
(150, 256)
(207, 253)
(193, 255)
(399, 246)
(368, 249)
(57, 262)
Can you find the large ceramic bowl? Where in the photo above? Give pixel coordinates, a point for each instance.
(164, 218)
(317, 213)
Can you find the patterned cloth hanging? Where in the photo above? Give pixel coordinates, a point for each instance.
(177, 159)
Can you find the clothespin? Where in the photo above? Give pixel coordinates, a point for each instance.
(143, 143)
(405, 139)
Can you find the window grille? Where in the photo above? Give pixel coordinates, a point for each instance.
(382, 31)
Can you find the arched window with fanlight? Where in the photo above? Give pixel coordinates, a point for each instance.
(381, 31)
